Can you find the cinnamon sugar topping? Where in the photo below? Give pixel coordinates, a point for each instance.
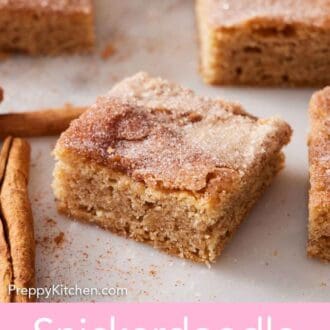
(167, 136)
(53, 5)
(228, 13)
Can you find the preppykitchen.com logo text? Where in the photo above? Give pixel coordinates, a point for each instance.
(61, 290)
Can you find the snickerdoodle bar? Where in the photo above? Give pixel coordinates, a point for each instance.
(319, 169)
(264, 42)
(46, 26)
(157, 163)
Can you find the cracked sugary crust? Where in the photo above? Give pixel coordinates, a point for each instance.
(64, 6)
(166, 136)
(319, 158)
(230, 13)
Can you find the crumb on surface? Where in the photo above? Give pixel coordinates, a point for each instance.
(108, 51)
(59, 239)
(51, 222)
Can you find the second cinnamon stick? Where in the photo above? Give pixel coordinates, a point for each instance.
(38, 123)
(17, 216)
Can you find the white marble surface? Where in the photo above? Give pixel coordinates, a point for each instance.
(266, 259)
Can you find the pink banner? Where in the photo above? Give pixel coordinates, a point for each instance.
(165, 316)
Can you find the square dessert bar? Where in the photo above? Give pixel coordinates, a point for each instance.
(319, 169)
(46, 26)
(157, 163)
(264, 42)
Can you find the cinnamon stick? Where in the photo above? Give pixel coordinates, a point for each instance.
(6, 273)
(38, 123)
(17, 216)
(4, 156)
(1, 94)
